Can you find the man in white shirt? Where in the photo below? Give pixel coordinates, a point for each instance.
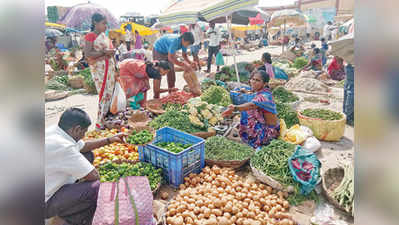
(308, 31)
(128, 38)
(327, 30)
(214, 44)
(68, 159)
(196, 47)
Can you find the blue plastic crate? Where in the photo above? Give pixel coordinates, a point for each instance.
(175, 166)
(241, 98)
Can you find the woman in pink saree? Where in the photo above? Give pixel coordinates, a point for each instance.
(100, 56)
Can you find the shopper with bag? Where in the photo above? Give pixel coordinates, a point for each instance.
(135, 75)
(165, 48)
(99, 52)
(69, 159)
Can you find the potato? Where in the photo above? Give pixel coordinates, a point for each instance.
(182, 186)
(286, 204)
(217, 212)
(285, 222)
(207, 213)
(201, 216)
(251, 214)
(223, 221)
(240, 221)
(239, 215)
(211, 221)
(235, 210)
(172, 212)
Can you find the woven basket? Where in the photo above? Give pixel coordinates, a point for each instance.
(234, 164)
(324, 130)
(76, 81)
(266, 179)
(139, 119)
(155, 106)
(332, 178)
(205, 134)
(90, 89)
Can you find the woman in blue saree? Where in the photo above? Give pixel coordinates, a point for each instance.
(259, 123)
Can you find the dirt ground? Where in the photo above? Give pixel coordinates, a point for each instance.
(330, 155)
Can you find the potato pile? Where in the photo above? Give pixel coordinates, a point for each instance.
(220, 197)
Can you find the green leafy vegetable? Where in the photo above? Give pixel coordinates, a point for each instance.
(112, 172)
(176, 119)
(300, 62)
(216, 95)
(285, 112)
(140, 138)
(283, 95)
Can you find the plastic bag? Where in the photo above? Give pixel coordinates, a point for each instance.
(296, 135)
(279, 73)
(219, 59)
(324, 215)
(305, 168)
(192, 82)
(312, 144)
(118, 103)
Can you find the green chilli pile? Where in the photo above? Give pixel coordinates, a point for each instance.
(216, 95)
(140, 138)
(323, 114)
(112, 172)
(174, 147)
(281, 94)
(272, 160)
(221, 148)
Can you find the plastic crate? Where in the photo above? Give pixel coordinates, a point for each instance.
(175, 166)
(240, 98)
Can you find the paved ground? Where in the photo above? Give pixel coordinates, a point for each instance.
(330, 155)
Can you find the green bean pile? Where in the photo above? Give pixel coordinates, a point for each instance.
(323, 114)
(272, 160)
(221, 148)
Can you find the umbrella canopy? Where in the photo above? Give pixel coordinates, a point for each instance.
(79, 16)
(242, 17)
(344, 47)
(287, 16)
(50, 32)
(143, 30)
(189, 12)
(256, 20)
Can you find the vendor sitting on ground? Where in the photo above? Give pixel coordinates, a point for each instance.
(69, 159)
(259, 123)
(267, 60)
(135, 75)
(297, 47)
(309, 51)
(336, 69)
(315, 63)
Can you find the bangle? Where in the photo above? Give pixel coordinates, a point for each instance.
(235, 108)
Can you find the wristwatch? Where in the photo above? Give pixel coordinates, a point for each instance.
(235, 108)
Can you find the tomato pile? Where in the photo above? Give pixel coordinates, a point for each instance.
(114, 151)
(179, 97)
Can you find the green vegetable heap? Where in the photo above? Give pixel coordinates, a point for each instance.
(272, 160)
(216, 95)
(323, 114)
(221, 148)
(140, 138)
(281, 94)
(300, 62)
(286, 113)
(174, 147)
(111, 172)
(175, 119)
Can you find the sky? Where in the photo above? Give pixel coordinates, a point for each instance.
(145, 7)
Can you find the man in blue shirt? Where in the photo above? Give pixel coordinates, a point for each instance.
(165, 48)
